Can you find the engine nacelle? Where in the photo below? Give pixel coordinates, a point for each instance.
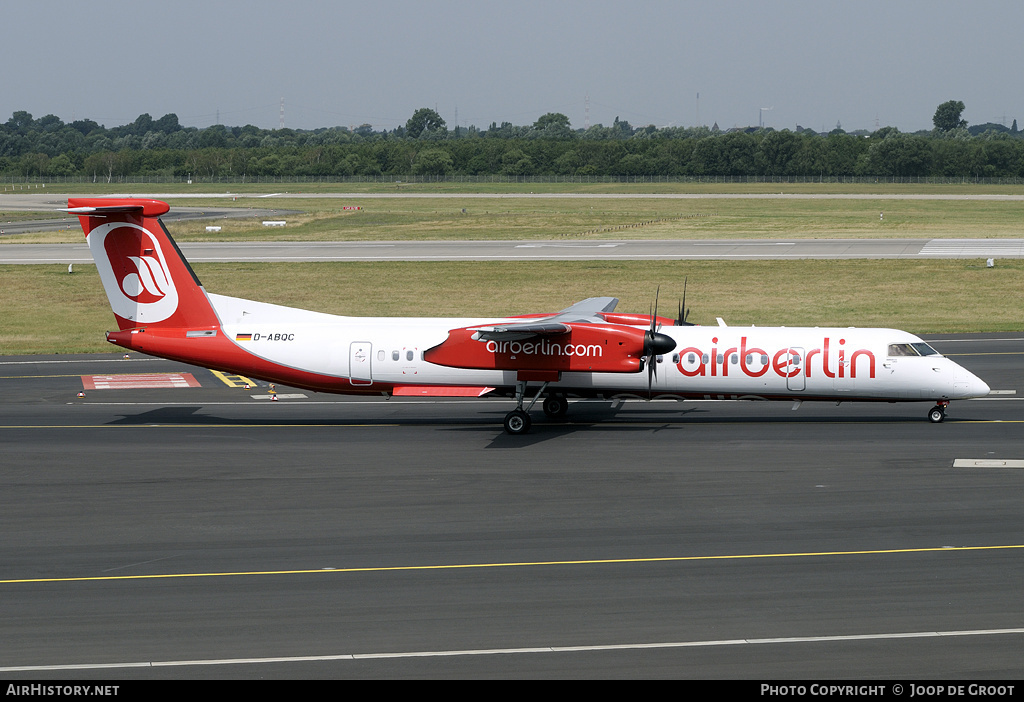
(595, 348)
(637, 320)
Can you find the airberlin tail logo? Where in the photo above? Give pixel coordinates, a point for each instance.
(147, 283)
(134, 272)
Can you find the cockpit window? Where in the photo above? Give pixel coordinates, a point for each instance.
(917, 349)
(902, 350)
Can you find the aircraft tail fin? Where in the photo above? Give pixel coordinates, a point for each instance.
(147, 280)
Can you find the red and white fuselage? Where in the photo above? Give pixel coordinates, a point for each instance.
(352, 354)
(163, 310)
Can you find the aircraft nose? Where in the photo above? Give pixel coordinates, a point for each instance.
(967, 384)
(979, 388)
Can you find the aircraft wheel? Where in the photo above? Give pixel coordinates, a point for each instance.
(517, 422)
(555, 406)
(936, 414)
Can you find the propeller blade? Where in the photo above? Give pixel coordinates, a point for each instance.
(684, 311)
(652, 372)
(649, 345)
(655, 344)
(682, 303)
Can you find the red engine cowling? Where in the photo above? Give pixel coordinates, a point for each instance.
(596, 348)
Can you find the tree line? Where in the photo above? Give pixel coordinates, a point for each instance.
(48, 147)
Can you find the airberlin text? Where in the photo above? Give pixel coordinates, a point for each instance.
(544, 348)
(830, 360)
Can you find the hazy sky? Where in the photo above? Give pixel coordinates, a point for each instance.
(814, 62)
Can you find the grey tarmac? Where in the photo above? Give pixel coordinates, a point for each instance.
(203, 533)
(663, 250)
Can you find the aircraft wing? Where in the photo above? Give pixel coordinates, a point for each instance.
(586, 337)
(585, 311)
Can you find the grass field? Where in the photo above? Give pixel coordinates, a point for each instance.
(322, 219)
(45, 310)
(485, 219)
(183, 189)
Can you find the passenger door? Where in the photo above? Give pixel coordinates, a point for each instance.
(360, 360)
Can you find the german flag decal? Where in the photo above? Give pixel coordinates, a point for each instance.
(243, 337)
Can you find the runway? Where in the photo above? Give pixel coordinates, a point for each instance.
(663, 250)
(208, 532)
(565, 249)
(181, 214)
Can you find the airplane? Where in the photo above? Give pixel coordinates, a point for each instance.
(586, 350)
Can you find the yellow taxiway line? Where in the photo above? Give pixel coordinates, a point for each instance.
(514, 564)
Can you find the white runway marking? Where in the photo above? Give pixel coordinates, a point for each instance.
(747, 243)
(511, 651)
(566, 246)
(987, 463)
(974, 248)
(80, 360)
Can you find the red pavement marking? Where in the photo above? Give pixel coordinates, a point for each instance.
(139, 380)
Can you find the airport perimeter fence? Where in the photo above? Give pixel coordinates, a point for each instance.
(9, 182)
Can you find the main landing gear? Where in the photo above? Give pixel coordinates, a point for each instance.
(518, 420)
(937, 413)
(555, 406)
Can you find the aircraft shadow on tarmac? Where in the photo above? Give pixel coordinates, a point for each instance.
(598, 417)
(167, 415)
(657, 419)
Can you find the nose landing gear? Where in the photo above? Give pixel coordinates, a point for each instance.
(938, 413)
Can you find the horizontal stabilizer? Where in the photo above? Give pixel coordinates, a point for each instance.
(110, 207)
